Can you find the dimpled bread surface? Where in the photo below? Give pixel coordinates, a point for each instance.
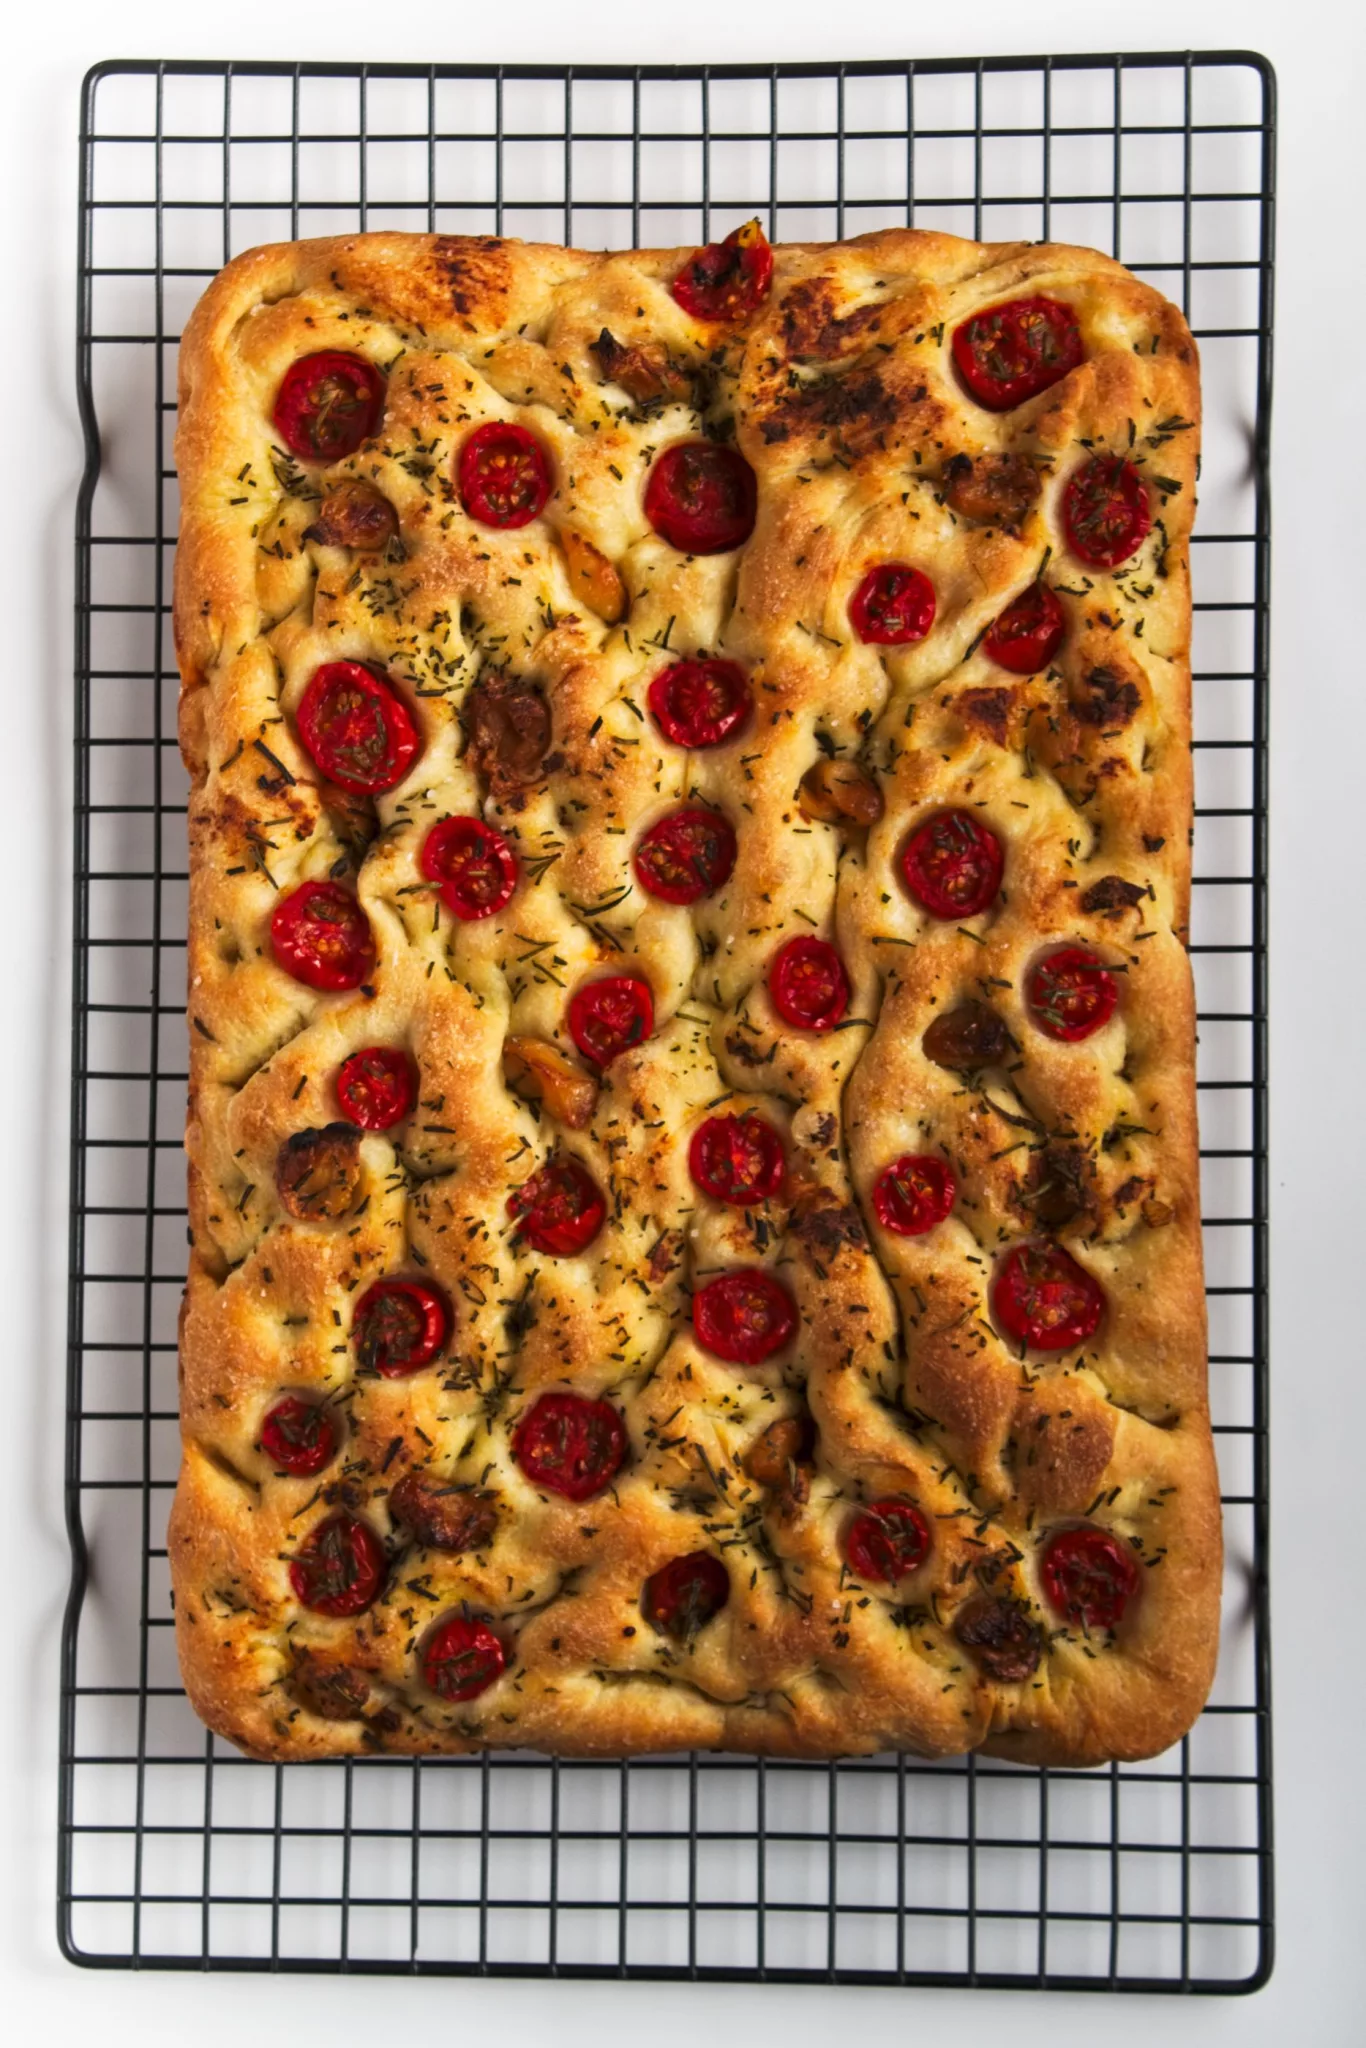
(841, 392)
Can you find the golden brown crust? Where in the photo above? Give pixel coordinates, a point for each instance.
(842, 397)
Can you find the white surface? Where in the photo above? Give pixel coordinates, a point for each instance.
(1318, 986)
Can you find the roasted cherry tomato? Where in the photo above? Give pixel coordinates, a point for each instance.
(808, 984)
(560, 1210)
(913, 1194)
(701, 703)
(701, 498)
(608, 1017)
(1105, 511)
(727, 280)
(375, 1087)
(1009, 353)
(744, 1317)
(1089, 1576)
(327, 404)
(1028, 633)
(952, 865)
(737, 1159)
(887, 1540)
(321, 936)
(686, 856)
(683, 1595)
(1071, 993)
(1041, 1297)
(503, 475)
(354, 728)
(475, 866)
(298, 1437)
(399, 1326)
(340, 1568)
(461, 1658)
(569, 1445)
(893, 606)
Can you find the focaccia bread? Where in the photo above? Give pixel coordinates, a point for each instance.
(693, 1163)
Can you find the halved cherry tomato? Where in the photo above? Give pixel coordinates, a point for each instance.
(1028, 633)
(399, 1326)
(298, 1437)
(1009, 353)
(683, 1595)
(1043, 1298)
(686, 856)
(560, 1210)
(503, 475)
(737, 1159)
(744, 1317)
(327, 404)
(887, 1540)
(375, 1087)
(320, 935)
(808, 984)
(356, 730)
(475, 866)
(1105, 511)
(340, 1568)
(952, 865)
(1089, 1576)
(913, 1194)
(701, 703)
(461, 1658)
(701, 498)
(727, 280)
(893, 606)
(572, 1446)
(608, 1017)
(1071, 993)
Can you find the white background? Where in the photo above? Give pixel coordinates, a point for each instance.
(1318, 1993)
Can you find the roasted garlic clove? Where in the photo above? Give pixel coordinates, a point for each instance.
(354, 515)
(833, 790)
(646, 373)
(534, 1067)
(592, 577)
(784, 1445)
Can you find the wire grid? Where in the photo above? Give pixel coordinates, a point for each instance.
(176, 1851)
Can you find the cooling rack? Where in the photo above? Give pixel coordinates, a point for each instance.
(176, 1852)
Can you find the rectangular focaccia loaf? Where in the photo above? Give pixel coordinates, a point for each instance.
(693, 1163)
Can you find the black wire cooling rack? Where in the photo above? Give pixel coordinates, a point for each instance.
(175, 1851)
